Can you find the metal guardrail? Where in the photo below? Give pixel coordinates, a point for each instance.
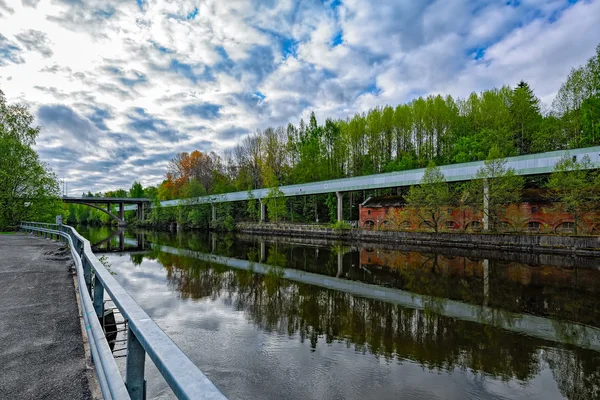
(144, 336)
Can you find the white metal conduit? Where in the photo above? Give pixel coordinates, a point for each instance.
(144, 335)
(533, 164)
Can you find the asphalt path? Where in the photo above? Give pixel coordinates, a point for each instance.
(41, 346)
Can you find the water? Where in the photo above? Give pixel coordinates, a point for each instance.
(427, 325)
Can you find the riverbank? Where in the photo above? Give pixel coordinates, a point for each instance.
(588, 246)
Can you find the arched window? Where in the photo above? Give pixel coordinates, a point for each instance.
(533, 226)
(369, 224)
(475, 226)
(566, 227)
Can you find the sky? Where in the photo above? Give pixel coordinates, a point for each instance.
(120, 87)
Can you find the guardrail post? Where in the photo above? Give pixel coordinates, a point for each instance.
(136, 358)
(87, 274)
(98, 297)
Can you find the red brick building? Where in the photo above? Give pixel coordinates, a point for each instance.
(534, 214)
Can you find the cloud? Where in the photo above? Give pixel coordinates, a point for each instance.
(67, 125)
(150, 126)
(123, 86)
(36, 41)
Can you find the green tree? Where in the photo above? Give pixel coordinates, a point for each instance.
(496, 186)
(431, 198)
(192, 189)
(136, 191)
(28, 188)
(276, 204)
(252, 207)
(525, 110)
(576, 186)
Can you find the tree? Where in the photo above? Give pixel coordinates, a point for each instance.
(193, 188)
(136, 191)
(29, 190)
(431, 198)
(495, 186)
(525, 110)
(276, 204)
(575, 186)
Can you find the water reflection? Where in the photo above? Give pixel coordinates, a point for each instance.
(423, 335)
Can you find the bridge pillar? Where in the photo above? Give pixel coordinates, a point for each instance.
(214, 213)
(340, 206)
(122, 215)
(140, 211)
(486, 205)
(340, 264)
(263, 251)
(263, 210)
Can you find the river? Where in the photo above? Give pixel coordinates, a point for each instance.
(292, 318)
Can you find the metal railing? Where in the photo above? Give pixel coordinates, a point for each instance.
(144, 336)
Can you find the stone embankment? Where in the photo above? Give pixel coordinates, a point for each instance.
(543, 244)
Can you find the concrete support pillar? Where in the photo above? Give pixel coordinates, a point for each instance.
(263, 210)
(122, 215)
(214, 243)
(486, 205)
(340, 264)
(142, 216)
(486, 281)
(214, 213)
(263, 251)
(340, 206)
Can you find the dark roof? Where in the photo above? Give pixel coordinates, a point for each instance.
(388, 201)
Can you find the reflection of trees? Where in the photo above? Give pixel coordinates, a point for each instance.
(382, 329)
(578, 377)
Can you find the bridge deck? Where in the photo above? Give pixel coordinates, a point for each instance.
(41, 351)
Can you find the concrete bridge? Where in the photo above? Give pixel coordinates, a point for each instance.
(532, 164)
(104, 204)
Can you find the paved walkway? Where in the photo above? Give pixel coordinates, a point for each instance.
(41, 346)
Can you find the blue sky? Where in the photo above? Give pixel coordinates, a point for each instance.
(119, 87)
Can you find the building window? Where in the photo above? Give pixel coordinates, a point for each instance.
(475, 225)
(406, 225)
(369, 212)
(566, 227)
(533, 210)
(387, 211)
(450, 224)
(449, 211)
(533, 226)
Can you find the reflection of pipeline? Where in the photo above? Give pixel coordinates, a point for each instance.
(544, 328)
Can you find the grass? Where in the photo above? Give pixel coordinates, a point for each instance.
(7, 233)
